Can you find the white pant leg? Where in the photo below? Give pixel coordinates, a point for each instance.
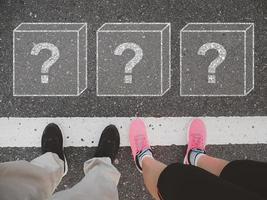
(35, 180)
(100, 182)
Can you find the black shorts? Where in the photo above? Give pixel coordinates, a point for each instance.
(239, 180)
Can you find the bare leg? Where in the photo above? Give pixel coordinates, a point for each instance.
(211, 164)
(151, 172)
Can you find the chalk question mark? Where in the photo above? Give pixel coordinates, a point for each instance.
(133, 62)
(48, 63)
(216, 62)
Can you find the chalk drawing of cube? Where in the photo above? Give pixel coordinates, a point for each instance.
(133, 59)
(217, 59)
(49, 59)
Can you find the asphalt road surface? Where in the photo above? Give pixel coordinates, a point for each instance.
(131, 184)
(96, 13)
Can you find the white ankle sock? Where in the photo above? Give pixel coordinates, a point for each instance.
(143, 154)
(194, 156)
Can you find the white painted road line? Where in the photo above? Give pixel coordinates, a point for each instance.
(79, 131)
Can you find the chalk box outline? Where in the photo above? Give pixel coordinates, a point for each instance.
(167, 25)
(79, 91)
(251, 25)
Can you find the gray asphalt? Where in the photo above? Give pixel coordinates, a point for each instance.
(96, 13)
(131, 185)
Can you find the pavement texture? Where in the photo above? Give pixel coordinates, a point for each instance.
(96, 13)
(131, 184)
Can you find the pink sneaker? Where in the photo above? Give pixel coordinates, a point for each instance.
(138, 140)
(196, 137)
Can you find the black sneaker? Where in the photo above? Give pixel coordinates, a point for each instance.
(109, 143)
(52, 141)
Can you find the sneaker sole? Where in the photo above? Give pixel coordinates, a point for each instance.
(66, 167)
